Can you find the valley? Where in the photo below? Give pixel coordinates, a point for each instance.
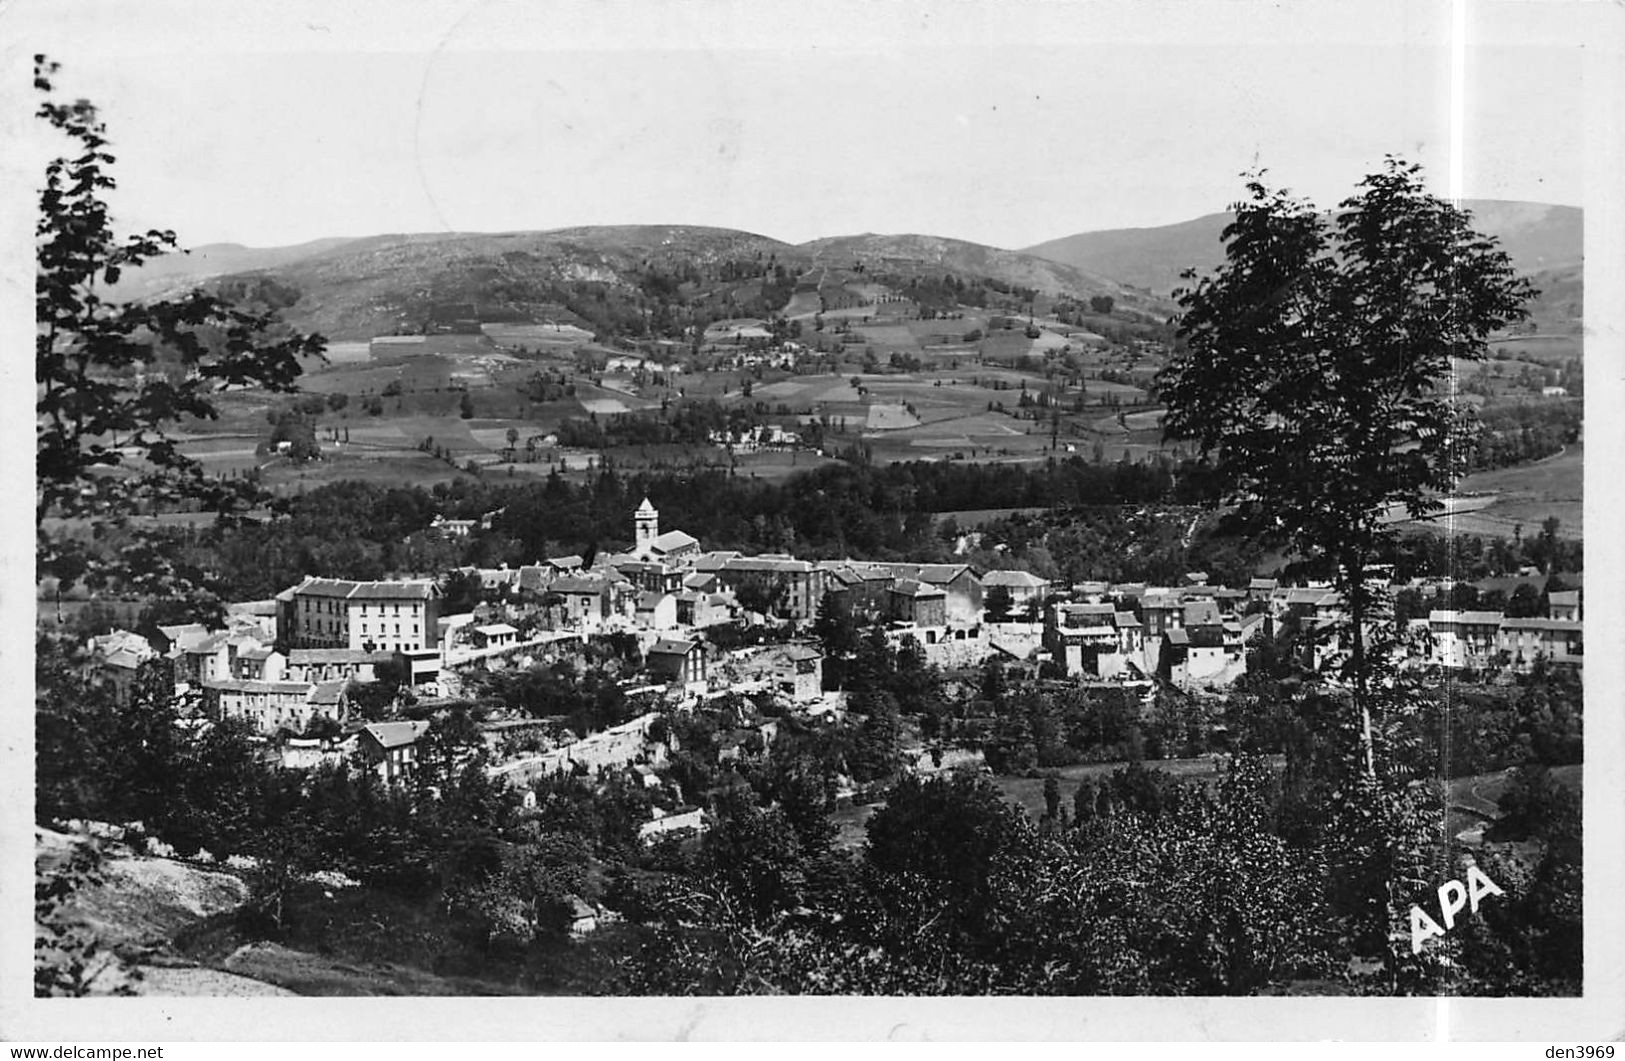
(653, 348)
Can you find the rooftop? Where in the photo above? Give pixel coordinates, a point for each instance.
(775, 564)
(307, 656)
(327, 692)
(571, 584)
(414, 589)
(395, 734)
(1014, 579)
(1542, 624)
(241, 685)
(673, 540)
(1467, 618)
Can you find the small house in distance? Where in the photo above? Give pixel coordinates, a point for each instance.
(1564, 605)
(798, 672)
(678, 662)
(912, 601)
(1027, 591)
(391, 747)
(495, 635)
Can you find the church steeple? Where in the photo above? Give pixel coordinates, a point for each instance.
(646, 528)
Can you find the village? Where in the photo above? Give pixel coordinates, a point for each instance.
(292, 667)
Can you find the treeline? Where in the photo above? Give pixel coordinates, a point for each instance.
(1090, 543)
(1087, 543)
(690, 424)
(1471, 556)
(852, 509)
(940, 295)
(1114, 522)
(655, 303)
(1513, 434)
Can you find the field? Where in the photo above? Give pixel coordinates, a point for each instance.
(957, 400)
(536, 335)
(1524, 496)
(1541, 348)
(890, 418)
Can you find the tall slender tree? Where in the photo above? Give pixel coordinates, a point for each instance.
(1315, 369)
(1316, 373)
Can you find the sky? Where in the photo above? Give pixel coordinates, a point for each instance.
(1003, 123)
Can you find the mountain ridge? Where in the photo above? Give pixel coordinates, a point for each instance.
(354, 287)
(1540, 237)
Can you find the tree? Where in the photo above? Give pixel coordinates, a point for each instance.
(761, 594)
(998, 604)
(1052, 797)
(835, 627)
(947, 834)
(1311, 365)
(68, 960)
(1524, 603)
(111, 376)
(1083, 802)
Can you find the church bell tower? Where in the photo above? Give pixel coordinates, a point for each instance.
(646, 528)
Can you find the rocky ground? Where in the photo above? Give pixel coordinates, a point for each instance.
(136, 911)
(162, 927)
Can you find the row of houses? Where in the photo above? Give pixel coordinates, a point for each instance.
(1189, 642)
(286, 662)
(1479, 640)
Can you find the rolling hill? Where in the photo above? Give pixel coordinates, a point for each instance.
(357, 288)
(214, 259)
(675, 275)
(354, 289)
(904, 253)
(1539, 236)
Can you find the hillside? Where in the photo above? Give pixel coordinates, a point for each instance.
(189, 266)
(636, 281)
(385, 284)
(1539, 236)
(1148, 258)
(909, 252)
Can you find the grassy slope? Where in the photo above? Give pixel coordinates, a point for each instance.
(1526, 495)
